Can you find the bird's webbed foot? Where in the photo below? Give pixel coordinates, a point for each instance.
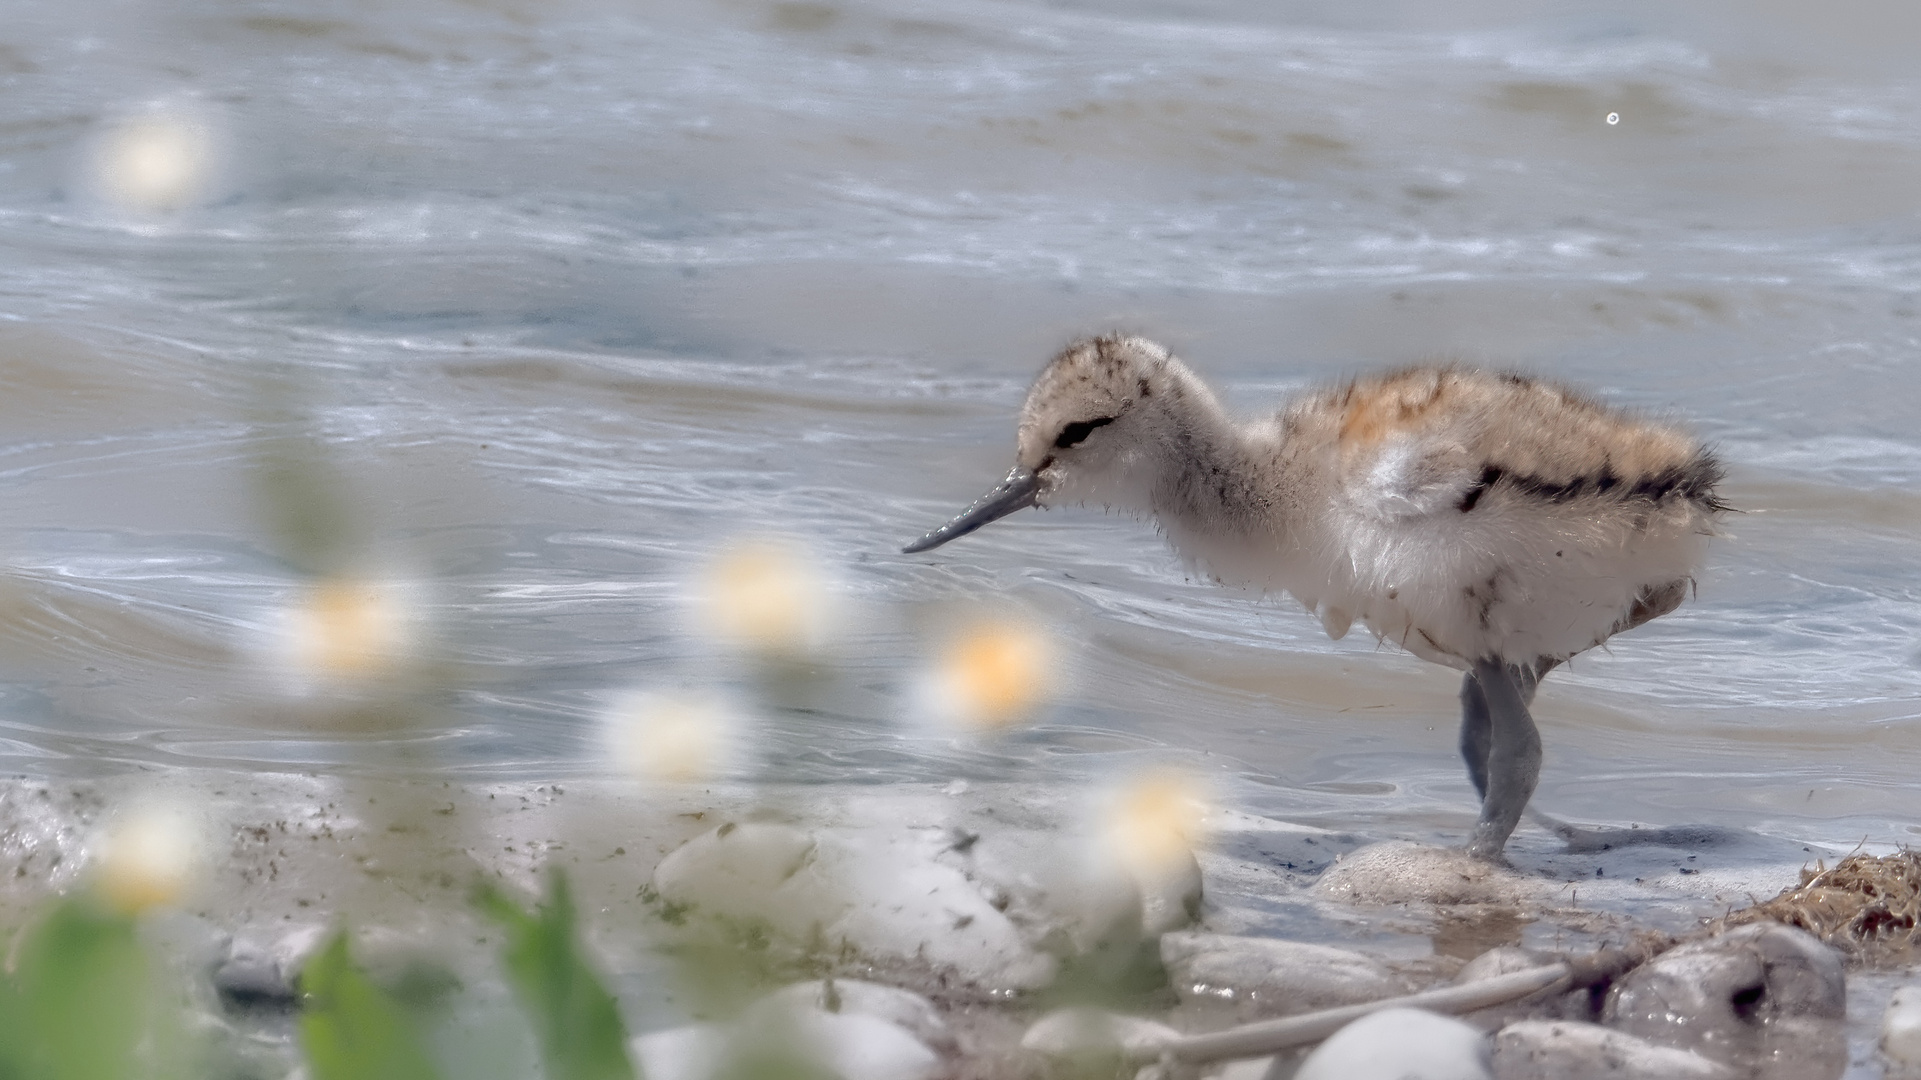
(1583, 840)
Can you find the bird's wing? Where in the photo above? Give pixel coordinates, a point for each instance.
(1412, 477)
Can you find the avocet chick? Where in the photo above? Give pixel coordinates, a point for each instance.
(1492, 523)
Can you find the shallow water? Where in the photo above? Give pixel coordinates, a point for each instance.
(557, 298)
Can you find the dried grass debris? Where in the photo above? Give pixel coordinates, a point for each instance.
(1868, 906)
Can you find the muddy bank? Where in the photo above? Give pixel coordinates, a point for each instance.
(984, 899)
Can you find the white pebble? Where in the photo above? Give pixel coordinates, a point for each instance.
(1901, 1026)
(1094, 906)
(858, 1047)
(1754, 981)
(1400, 872)
(1273, 976)
(1077, 1032)
(1498, 961)
(694, 1052)
(884, 897)
(903, 1008)
(850, 1046)
(1401, 1044)
(1549, 1049)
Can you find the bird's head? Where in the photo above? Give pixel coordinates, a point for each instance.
(1091, 424)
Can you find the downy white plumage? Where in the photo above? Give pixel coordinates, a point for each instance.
(1490, 522)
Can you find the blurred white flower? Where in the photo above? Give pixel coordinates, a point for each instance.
(767, 597)
(674, 738)
(349, 630)
(991, 675)
(1150, 824)
(156, 162)
(148, 858)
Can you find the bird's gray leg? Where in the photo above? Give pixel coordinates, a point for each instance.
(1533, 674)
(1513, 754)
(1476, 741)
(1476, 732)
(1476, 729)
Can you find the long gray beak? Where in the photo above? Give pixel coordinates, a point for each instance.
(1017, 492)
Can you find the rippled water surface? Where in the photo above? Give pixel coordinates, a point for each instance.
(546, 301)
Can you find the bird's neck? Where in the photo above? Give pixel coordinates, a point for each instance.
(1205, 483)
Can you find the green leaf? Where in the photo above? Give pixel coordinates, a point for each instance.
(16, 1047)
(81, 998)
(352, 1029)
(576, 1019)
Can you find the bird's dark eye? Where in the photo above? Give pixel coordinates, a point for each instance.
(1078, 430)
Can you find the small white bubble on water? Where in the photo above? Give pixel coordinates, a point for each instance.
(1614, 118)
